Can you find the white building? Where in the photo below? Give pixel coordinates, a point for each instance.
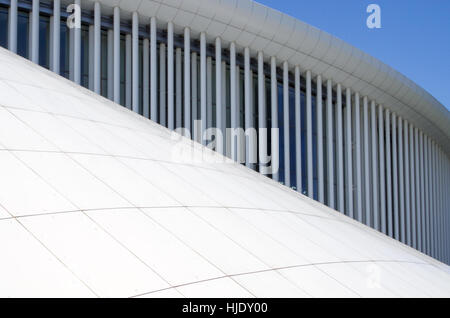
(98, 201)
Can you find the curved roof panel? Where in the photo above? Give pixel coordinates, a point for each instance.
(96, 200)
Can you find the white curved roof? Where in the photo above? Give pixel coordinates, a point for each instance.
(253, 25)
(96, 200)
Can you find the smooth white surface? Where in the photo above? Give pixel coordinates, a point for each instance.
(96, 200)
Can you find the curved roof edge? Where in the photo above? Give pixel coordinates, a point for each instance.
(248, 23)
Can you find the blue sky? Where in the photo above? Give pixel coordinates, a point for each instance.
(414, 38)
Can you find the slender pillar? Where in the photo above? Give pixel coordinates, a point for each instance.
(178, 88)
(390, 228)
(339, 150)
(376, 213)
(407, 184)
(274, 113)
(401, 181)
(309, 144)
(357, 125)
(234, 111)
(35, 31)
(330, 153)
(91, 57)
(219, 106)
(412, 186)
(418, 192)
(428, 192)
(395, 180)
(298, 131)
(287, 167)
(117, 55)
(76, 49)
(209, 107)
(226, 146)
(110, 66)
(146, 78)
(162, 85)
(97, 48)
(422, 195)
(262, 131)
(135, 62)
(349, 159)
(187, 80)
(56, 39)
(366, 162)
(240, 144)
(247, 104)
(170, 83)
(320, 169)
(203, 83)
(128, 71)
(194, 97)
(382, 158)
(153, 71)
(12, 26)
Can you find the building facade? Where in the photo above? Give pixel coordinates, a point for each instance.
(319, 115)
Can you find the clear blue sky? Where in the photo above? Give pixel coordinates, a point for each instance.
(414, 38)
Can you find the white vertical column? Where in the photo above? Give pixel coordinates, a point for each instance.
(209, 107)
(97, 47)
(91, 57)
(162, 84)
(194, 97)
(422, 195)
(35, 31)
(262, 136)
(382, 158)
(349, 153)
(76, 48)
(330, 153)
(170, 83)
(390, 228)
(376, 215)
(128, 71)
(395, 180)
(339, 149)
(233, 99)
(12, 26)
(287, 167)
(407, 184)
(427, 195)
(226, 146)
(357, 125)
(321, 192)
(203, 83)
(262, 131)
(366, 162)
(401, 180)
(417, 190)
(178, 89)
(135, 61)
(298, 130)
(219, 106)
(274, 114)
(247, 105)
(117, 55)
(309, 145)
(187, 80)
(56, 40)
(146, 78)
(240, 144)
(153, 71)
(412, 186)
(110, 66)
